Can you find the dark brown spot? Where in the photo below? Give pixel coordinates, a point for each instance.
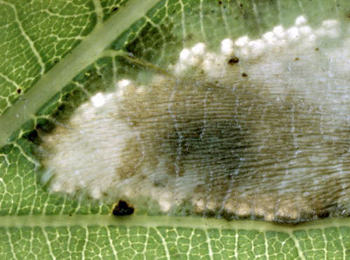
(324, 214)
(189, 37)
(317, 49)
(347, 15)
(33, 137)
(233, 60)
(296, 58)
(19, 91)
(244, 75)
(220, 2)
(115, 9)
(241, 5)
(122, 208)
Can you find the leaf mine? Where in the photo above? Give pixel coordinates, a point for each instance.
(257, 129)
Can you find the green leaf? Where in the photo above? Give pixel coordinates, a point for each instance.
(55, 55)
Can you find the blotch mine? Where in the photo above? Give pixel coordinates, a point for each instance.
(243, 131)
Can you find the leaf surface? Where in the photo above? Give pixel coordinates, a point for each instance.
(54, 56)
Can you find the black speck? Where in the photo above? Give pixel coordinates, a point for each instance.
(19, 91)
(115, 9)
(122, 208)
(244, 75)
(220, 2)
(33, 137)
(324, 214)
(233, 60)
(241, 5)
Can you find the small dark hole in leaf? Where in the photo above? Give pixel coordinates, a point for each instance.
(115, 9)
(220, 2)
(19, 91)
(122, 208)
(244, 75)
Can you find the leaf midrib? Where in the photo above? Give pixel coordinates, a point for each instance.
(88, 51)
(169, 221)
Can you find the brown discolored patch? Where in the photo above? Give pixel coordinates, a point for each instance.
(45, 126)
(347, 15)
(189, 37)
(233, 60)
(296, 58)
(122, 208)
(244, 75)
(19, 91)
